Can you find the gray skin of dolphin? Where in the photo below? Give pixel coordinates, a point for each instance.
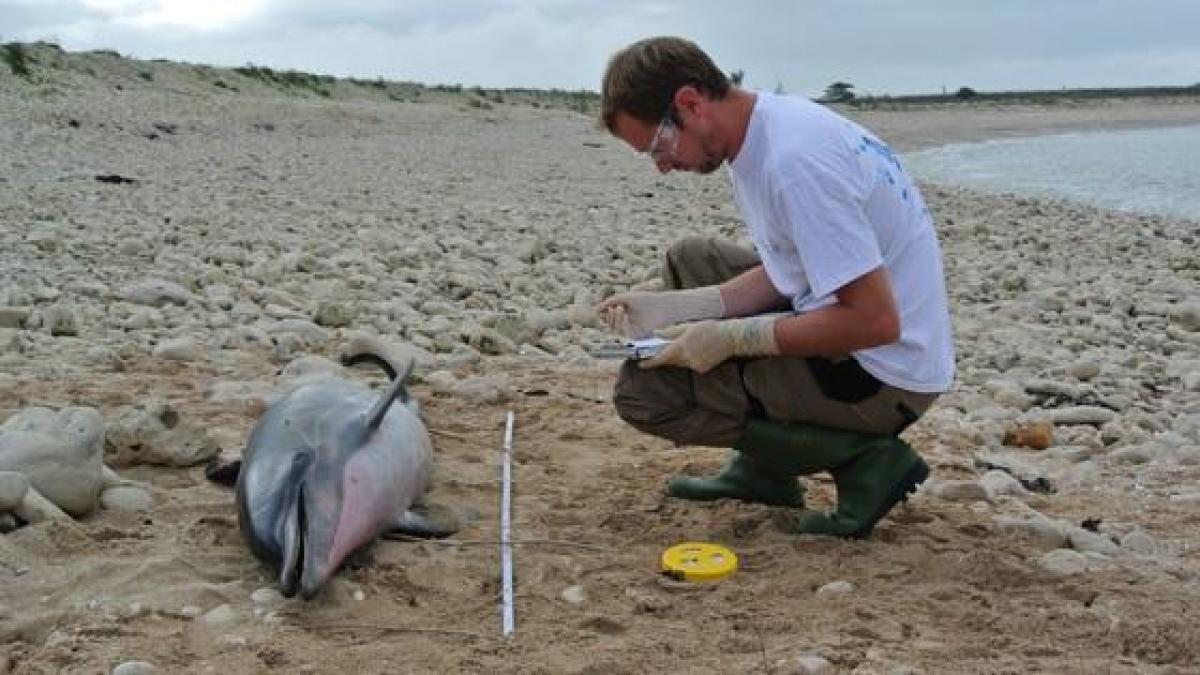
(328, 468)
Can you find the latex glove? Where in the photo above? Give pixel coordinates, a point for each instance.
(637, 314)
(705, 345)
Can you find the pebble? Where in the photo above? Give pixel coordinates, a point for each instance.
(836, 588)
(156, 293)
(1037, 434)
(267, 597)
(126, 498)
(1047, 534)
(1138, 541)
(135, 668)
(807, 664)
(1083, 414)
(999, 483)
(1064, 562)
(219, 616)
(574, 595)
(959, 491)
(178, 349)
(1094, 542)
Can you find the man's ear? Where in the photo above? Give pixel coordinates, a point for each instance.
(688, 102)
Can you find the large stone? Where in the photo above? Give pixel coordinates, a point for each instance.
(13, 486)
(155, 433)
(156, 293)
(59, 451)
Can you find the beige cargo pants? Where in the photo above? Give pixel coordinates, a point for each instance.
(711, 408)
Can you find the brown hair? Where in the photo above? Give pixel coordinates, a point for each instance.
(641, 79)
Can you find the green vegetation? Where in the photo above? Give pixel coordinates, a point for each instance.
(17, 59)
(289, 79)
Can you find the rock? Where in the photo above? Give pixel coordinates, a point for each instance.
(14, 317)
(178, 349)
(806, 664)
(1133, 454)
(248, 397)
(156, 293)
(959, 491)
(309, 366)
(488, 389)
(1052, 388)
(1036, 434)
(645, 602)
(219, 616)
(1049, 534)
(1138, 541)
(335, 314)
(1088, 541)
(308, 331)
(489, 341)
(1084, 369)
(13, 486)
(1083, 414)
(1186, 316)
(35, 508)
(267, 598)
(574, 595)
(126, 498)
(60, 320)
(154, 433)
(60, 452)
(135, 668)
(836, 588)
(1064, 562)
(999, 483)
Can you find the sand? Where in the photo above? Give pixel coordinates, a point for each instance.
(481, 234)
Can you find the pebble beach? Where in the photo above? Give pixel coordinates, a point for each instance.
(179, 243)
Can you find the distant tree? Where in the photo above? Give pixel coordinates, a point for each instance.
(736, 77)
(964, 93)
(839, 92)
(779, 88)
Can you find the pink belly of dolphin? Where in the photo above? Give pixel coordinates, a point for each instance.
(374, 494)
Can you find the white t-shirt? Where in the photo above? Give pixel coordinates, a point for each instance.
(827, 202)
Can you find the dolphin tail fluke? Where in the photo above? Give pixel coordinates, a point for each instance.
(366, 348)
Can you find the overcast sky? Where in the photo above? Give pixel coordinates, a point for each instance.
(880, 46)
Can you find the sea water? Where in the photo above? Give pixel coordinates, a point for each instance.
(1146, 170)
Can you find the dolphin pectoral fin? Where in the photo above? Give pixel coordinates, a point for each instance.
(426, 521)
(223, 473)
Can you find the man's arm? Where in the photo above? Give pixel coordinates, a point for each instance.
(864, 316)
(751, 292)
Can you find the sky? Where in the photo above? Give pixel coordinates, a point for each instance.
(881, 47)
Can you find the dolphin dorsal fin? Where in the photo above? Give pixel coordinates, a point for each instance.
(397, 389)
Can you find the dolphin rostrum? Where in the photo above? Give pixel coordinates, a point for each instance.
(328, 468)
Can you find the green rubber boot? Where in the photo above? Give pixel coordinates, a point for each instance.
(883, 472)
(742, 478)
(872, 474)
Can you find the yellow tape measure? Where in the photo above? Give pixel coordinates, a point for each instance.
(698, 561)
